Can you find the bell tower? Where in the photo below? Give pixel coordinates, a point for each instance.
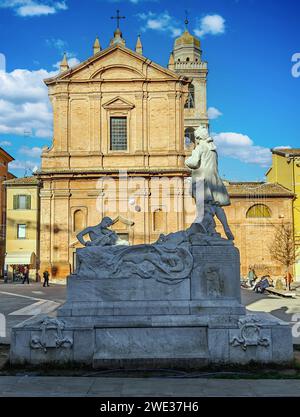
(186, 60)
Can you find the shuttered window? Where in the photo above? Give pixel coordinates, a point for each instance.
(22, 202)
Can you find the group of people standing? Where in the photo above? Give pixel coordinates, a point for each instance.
(22, 274)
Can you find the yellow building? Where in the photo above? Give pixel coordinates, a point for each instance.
(5, 159)
(22, 226)
(285, 171)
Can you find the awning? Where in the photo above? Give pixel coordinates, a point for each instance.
(20, 258)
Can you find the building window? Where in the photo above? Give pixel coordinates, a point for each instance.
(189, 135)
(118, 133)
(258, 211)
(21, 231)
(190, 103)
(22, 202)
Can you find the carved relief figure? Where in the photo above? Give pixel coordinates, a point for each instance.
(215, 284)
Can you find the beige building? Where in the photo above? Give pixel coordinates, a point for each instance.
(256, 211)
(22, 226)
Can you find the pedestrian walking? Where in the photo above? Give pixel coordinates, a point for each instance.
(26, 275)
(252, 277)
(288, 280)
(46, 278)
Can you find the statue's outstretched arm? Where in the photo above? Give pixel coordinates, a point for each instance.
(81, 235)
(193, 162)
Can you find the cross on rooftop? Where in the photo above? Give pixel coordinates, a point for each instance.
(118, 17)
(186, 22)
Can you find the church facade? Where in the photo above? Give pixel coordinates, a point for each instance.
(118, 150)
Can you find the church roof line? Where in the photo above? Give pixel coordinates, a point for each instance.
(64, 76)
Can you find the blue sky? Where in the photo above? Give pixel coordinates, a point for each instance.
(249, 46)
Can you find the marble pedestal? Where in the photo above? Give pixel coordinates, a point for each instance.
(131, 322)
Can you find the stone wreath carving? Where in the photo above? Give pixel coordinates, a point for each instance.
(52, 335)
(250, 334)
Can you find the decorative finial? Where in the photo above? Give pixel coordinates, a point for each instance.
(171, 65)
(139, 46)
(97, 46)
(64, 66)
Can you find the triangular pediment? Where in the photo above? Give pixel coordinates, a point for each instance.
(123, 220)
(114, 62)
(118, 103)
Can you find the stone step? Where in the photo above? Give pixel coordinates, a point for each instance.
(147, 363)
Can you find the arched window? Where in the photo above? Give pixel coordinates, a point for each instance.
(190, 103)
(258, 211)
(158, 221)
(78, 223)
(189, 135)
(188, 59)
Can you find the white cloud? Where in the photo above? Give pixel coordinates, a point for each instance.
(162, 22)
(213, 113)
(24, 103)
(23, 165)
(29, 8)
(5, 143)
(211, 25)
(57, 43)
(241, 147)
(34, 152)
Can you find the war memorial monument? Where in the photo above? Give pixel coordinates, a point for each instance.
(174, 303)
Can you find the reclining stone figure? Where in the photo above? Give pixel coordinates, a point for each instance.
(100, 235)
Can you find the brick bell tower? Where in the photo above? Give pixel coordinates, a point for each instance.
(186, 60)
